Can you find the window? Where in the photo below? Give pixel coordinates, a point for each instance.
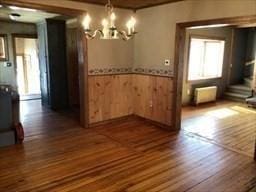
(205, 58)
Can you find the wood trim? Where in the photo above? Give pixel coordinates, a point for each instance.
(113, 74)
(158, 4)
(131, 74)
(46, 8)
(239, 20)
(178, 76)
(179, 61)
(111, 121)
(158, 124)
(129, 117)
(83, 76)
(145, 74)
(101, 4)
(132, 8)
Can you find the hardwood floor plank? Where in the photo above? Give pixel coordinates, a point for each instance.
(130, 155)
(229, 124)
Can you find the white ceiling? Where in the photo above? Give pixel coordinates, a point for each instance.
(29, 16)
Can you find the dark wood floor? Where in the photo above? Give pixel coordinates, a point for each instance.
(125, 156)
(229, 124)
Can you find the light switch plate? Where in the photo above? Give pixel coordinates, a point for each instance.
(167, 62)
(7, 64)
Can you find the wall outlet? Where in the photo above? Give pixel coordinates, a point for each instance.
(167, 62)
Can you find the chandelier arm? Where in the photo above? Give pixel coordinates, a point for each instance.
(124, 35)
(92, 36)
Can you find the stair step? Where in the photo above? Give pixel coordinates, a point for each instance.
(240, 89)
(242, 96)
(235, 96)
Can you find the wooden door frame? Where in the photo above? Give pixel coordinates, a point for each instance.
(179, 58)
(82, 48)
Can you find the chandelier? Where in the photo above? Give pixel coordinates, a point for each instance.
(109, 29)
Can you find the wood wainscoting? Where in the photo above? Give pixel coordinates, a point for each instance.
(115, 96)
(109, 97)
(153, 97)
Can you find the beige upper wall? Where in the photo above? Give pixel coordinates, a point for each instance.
(156, 26)
(101, 53)
(156, 39)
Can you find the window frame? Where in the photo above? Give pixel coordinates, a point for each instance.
(191, 36)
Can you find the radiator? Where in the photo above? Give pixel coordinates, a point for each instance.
(205, 94)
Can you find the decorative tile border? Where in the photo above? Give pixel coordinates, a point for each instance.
(110, 71)
(158, 72)
(115, 71)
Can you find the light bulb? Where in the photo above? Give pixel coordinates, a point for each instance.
(104, 22)
(129, 26)
(133, 21)
(87, 21)
(113, 16)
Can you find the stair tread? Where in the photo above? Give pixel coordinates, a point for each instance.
(240, 86)
(239, 95)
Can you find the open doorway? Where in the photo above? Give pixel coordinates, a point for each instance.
(44, 65)
(216, 76)
(27, 67)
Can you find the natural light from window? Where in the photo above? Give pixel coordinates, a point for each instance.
(205, 58)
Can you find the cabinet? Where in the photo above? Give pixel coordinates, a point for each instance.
(53, 63)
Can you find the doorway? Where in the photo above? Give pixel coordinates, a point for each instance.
(27, 67)
(221, 114)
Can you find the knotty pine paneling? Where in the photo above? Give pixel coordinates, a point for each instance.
(109, 97)
(113, 96)
(152, 97)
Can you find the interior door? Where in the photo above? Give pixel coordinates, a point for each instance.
(43, 65)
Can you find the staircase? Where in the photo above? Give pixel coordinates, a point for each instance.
(238, 92)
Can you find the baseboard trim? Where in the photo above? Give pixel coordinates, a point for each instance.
(131, 117)
(155, 123)
(111, 121)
